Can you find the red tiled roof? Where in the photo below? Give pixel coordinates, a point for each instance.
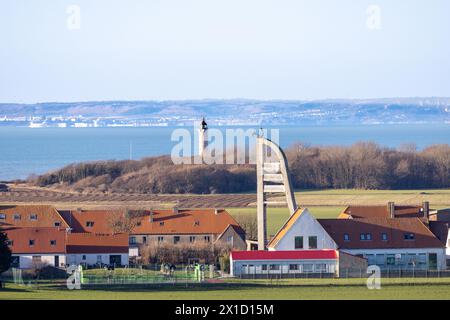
(380, 211)
(198, 221)
(394, 228)
(94, 243)
(78, 220)
(285, 255)
(46, 216)
(42, 240)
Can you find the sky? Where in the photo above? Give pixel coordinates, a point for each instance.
(84, 50)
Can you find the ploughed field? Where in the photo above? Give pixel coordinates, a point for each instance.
(316, 289)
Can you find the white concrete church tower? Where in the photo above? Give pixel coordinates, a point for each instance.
(202, 137)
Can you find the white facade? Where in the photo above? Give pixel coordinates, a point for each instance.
(275, 267)
(305, 226)
(97, 258)
(26, 261)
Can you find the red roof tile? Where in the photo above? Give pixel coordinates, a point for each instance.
(19, 216)
(395, 229)
(380, 211)
(42, 238)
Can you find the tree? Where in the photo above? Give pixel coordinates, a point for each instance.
(5, 255)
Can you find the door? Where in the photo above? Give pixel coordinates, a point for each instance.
(432, 261)
(115, 260)
(57, 261)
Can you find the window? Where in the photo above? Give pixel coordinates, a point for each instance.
(409, 236)
(36, 259)
(264, 267)
(298, 242)
(312, 242)
(197, 223)
(207, 238)
(99, 258)
(161, 223)
(53, 243)
(390, 259)
(308, 267)
(132, 240)
(160, 239)
(144, 239)
(10, 243)
(89, 224)
(346, 237)
(2, 216)
(274, 267)
(321, 267)
(138, 223)
(293, 267)
(365, 236)
(33, 217)
(230, 239)
(384, 236)
(176, 239)
(17, 217)
(57, 224)
(192, 239)
(31, 243)
(83, 257)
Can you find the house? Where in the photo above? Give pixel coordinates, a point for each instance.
(186, 226)
(31, 216)
(405, 243)
(293, 263)
(36, 246)
(391, 210)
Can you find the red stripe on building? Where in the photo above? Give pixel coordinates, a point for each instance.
(284, 255)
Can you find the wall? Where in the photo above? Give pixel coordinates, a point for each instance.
(26, 260)
(91, 259)
(306, 225)
(441, 261)
(168, 238)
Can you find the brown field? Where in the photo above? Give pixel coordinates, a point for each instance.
(336, 198)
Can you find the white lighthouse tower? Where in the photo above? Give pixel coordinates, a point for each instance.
(202, 138)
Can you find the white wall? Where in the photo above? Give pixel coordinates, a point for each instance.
(237, 267)
(305, 226)
(26, 260)
(91, 259)
(441, 261)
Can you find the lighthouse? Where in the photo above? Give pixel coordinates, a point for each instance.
(202, 138)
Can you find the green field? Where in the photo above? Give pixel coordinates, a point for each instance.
(276, 217)
(319, 289)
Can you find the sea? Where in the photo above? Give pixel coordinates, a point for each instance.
(31, 151)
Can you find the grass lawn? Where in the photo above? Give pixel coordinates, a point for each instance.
(320, 289)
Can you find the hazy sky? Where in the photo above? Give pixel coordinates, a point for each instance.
(184, 49)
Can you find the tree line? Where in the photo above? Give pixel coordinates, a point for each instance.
(363, 165)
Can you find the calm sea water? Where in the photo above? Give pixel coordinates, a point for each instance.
(25, 151)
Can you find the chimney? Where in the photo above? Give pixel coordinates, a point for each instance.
(426, 209)
(151, 216)
(216, 211)
(79, 210)
(175, 210)
(391, 209)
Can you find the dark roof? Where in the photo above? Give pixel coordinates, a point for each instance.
(440, 230)
(394, 228)
(94, 243)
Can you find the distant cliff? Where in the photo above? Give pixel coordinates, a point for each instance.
(238, 111)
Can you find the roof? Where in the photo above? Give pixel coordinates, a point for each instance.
(42, 237)
(285, 255)
(440, 230)
(78, 220)
(94, 243)
(289, 223)
(381, 211)
(46, 216)
(394, 228)
(198, 221)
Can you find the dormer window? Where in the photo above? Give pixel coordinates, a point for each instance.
(2, 216)
(346, 237)
(365, 236)
(33, 217)
(161, 223)
(89, 224)
(53, 243)
(17, 217)
(197, 223)
(409, 236)
(31, 243)
(57, 224)
(384, 236)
